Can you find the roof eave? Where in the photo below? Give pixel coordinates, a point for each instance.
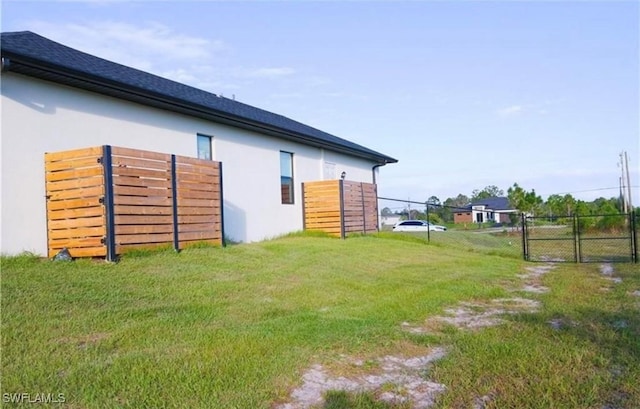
(63, 75)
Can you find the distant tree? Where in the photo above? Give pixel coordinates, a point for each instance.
(528, 202)
(459, 201)
(488, 191)
(451, 205)
(437, 212)
(606, 206)
(516, 196)
(610, 217)
(433, 200)
(555, 205)
(569, 203)
(386, 212)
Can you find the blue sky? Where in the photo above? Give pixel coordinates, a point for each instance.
(464, 93)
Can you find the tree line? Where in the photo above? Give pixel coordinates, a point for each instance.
(526, 201)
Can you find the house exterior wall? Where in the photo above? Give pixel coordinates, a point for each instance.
(39, 117)
(462, 217)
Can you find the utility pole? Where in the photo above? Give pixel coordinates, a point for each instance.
(621, 196)
(626, 165)
(625, 200)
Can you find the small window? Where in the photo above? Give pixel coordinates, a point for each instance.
(286, 177)
(204, 147)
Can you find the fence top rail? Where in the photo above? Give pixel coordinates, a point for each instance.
(580, 216)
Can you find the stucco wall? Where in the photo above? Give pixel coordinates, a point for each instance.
(39, 117)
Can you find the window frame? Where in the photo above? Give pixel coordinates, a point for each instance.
(291, 195)
(200, 137)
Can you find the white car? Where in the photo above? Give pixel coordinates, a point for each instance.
(417, 225)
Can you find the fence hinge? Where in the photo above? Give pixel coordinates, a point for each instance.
(101, 200)
(103, 240)
(100, 160)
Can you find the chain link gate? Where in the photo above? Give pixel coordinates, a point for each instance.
(581, 239)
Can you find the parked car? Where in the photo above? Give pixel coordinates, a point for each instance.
(417, 225)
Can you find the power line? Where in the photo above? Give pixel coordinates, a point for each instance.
(591, 190)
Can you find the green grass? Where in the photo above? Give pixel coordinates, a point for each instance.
(504, 242)
(236, 327)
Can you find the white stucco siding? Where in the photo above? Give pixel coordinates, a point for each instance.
(355, 169)
(251, 169)
(39, 117)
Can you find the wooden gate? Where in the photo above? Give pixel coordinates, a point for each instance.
(339, 207)
(104, 200)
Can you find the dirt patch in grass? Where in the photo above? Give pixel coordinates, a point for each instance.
(474, 315)
(403, 379)
(392, 378)
(533, 278)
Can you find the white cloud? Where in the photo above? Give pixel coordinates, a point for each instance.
(150, 47)
(269, 73)
(510, 110)
(193, 60)
(129, 41)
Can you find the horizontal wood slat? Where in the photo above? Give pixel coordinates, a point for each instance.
(74, 183)
(198, 198)
(141, 182)
(324, 210)
(138, 153)
(142, 220)
(96, 251)
(53, 186)
(143, 200)
(95, 151)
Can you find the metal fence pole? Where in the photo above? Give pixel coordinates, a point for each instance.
(174, 204)
(429, 223)
(342, 226)
(364, 213)
(634, 237)
(523, 221)
(577, 257)
(108, 203)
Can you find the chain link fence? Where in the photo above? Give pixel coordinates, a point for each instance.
(499, 234)
(572, 238)
(582, 239)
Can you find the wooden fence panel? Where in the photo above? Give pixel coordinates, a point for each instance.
(142, 196)
(360, 207)
(74, 185)
(340, 210)
(321, 203)
(199, 200)
(104, 200)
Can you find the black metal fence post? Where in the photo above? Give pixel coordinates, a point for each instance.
(222, 236)
(523, 221)
(429, 222)
(342, 226)
(174, 204)
(364, 212)
(634, 236)
(577, 256)
(110, 240)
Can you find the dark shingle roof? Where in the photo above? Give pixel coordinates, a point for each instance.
(31, 54)
(494, 203)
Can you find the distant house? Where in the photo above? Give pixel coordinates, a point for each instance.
(389, 220)
(55, 98)
(492, 209)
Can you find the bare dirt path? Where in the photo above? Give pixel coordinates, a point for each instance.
(404, 379)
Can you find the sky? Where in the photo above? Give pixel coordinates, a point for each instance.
(465, 94)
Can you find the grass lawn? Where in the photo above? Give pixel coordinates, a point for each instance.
(237, 327)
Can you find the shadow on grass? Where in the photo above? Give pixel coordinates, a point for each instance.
(614, 336)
